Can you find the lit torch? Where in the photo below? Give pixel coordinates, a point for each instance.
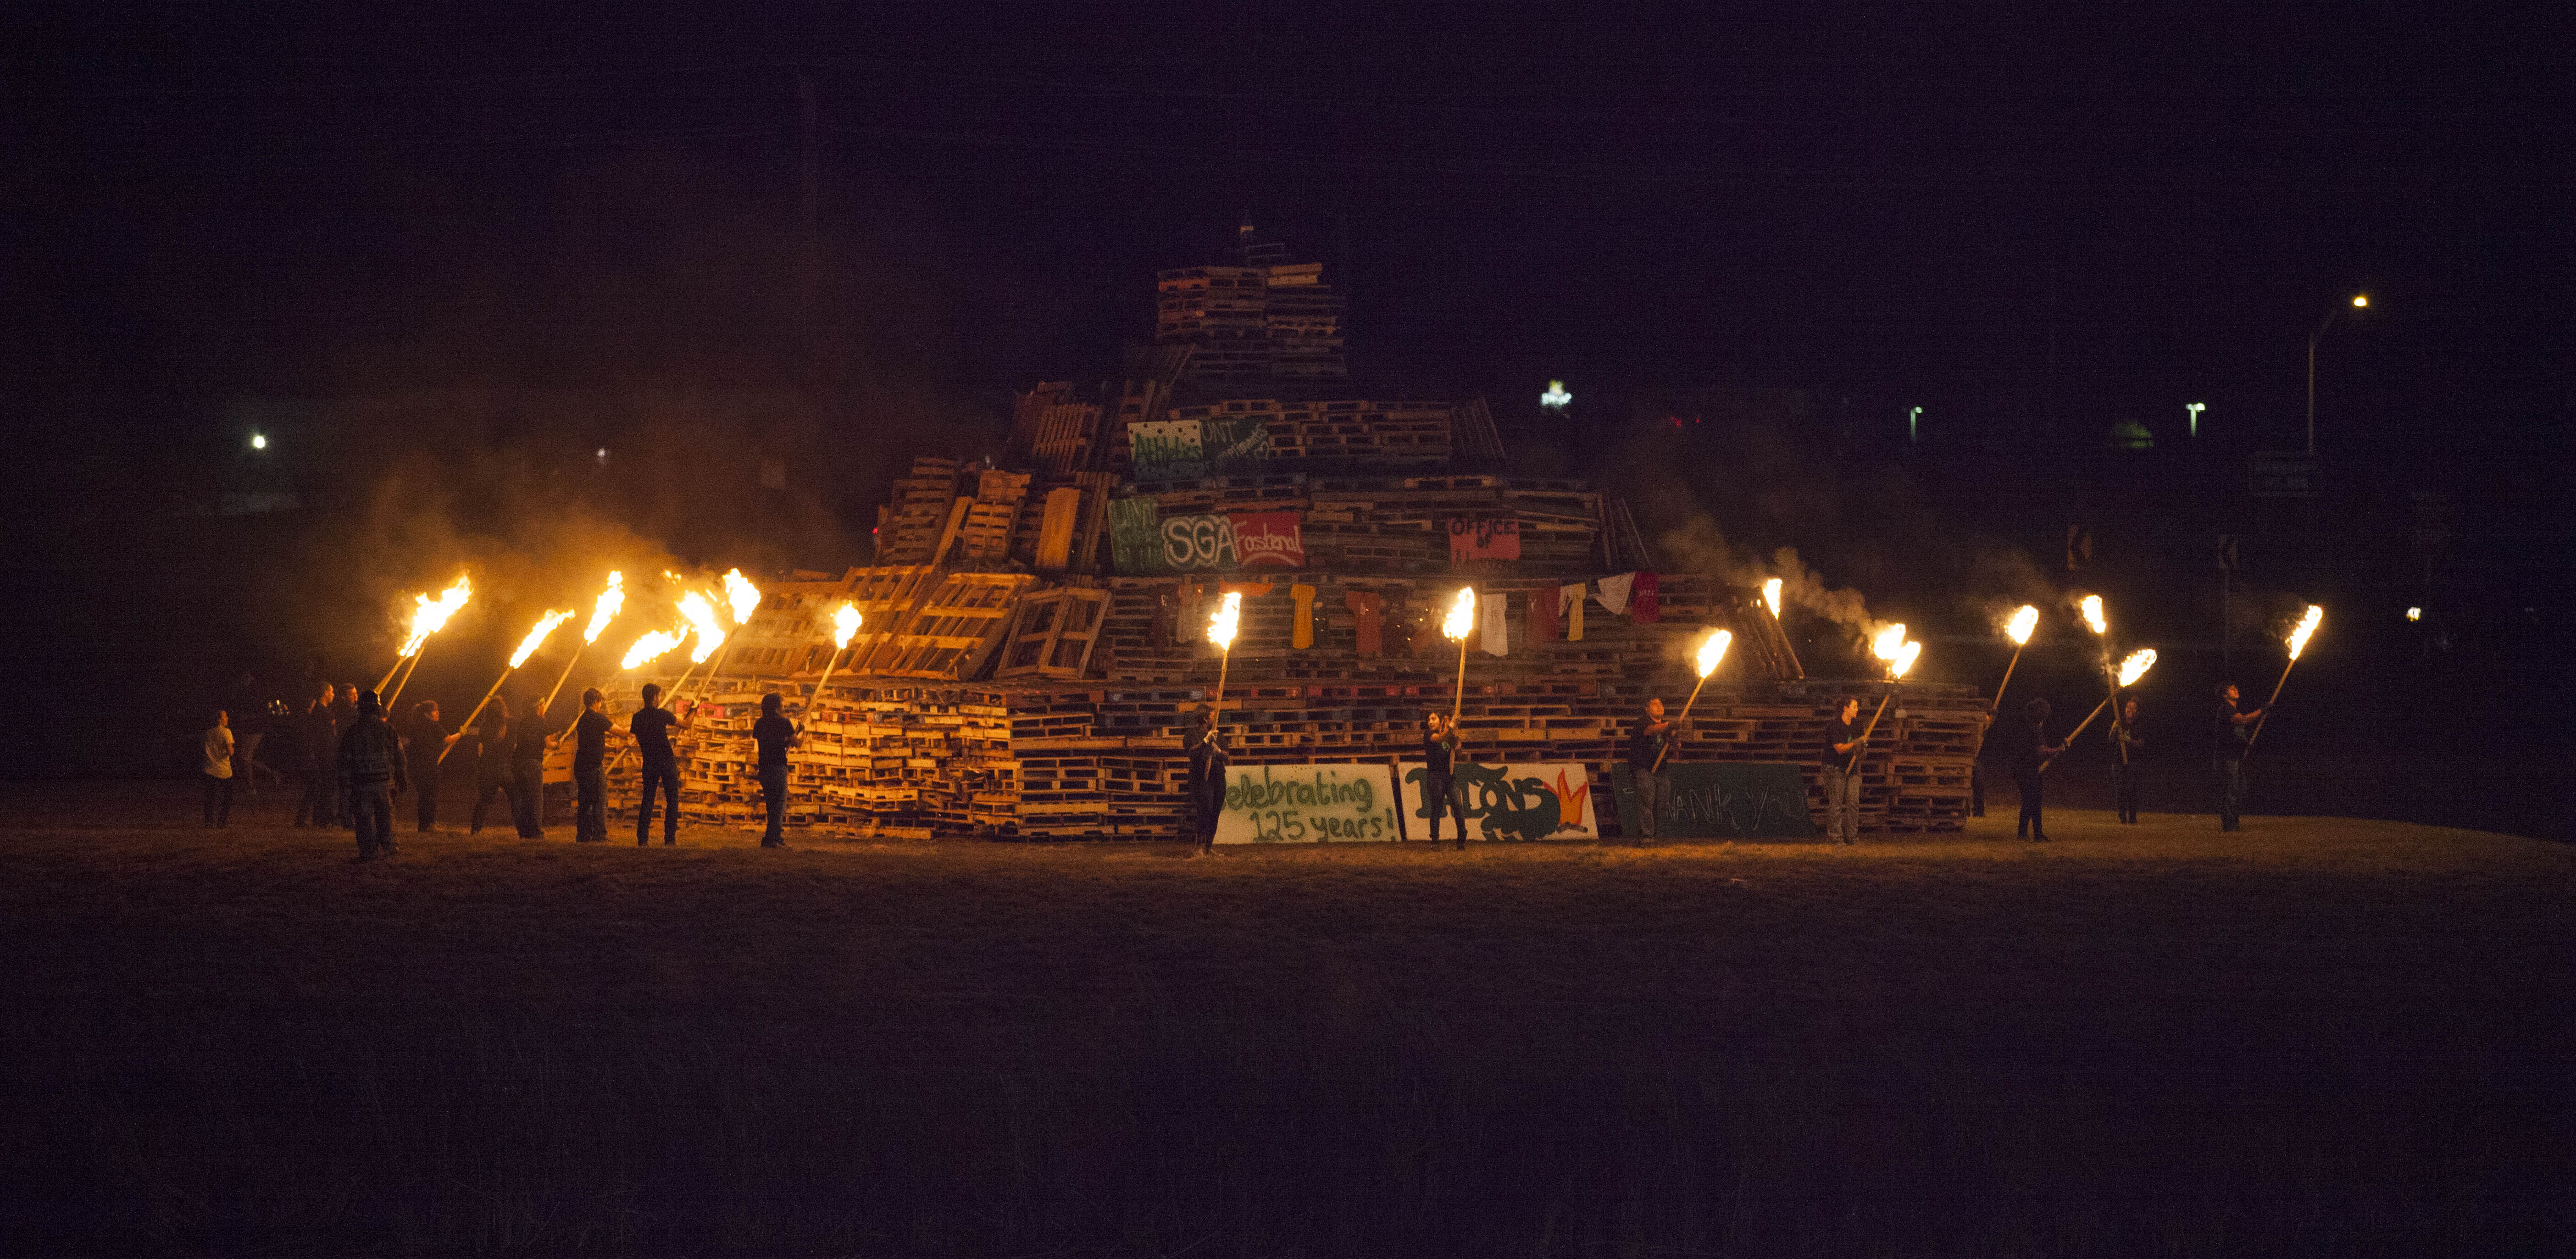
(1771, 596)
(654, 645)
(1771, 591)
(601, 613)
(1461, 620)
(1890, 645)
(845, 626)
(2132, 668)
(1221, 626)
(2093, 618)
(700, 613)
(2024, 620)
(428, 617)
(740, 598)
(2297, 642)
(1711, 650)
(527, 647)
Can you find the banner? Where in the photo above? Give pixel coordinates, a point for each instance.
(1727, 801)
(1307, 804)
(1164, 449)
(1496, 539)
(1536, 800)
(1136, 536)
(1233, 442)
(1199, 543)
(1269, 539)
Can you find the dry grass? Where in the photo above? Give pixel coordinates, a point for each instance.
(2316, 1036)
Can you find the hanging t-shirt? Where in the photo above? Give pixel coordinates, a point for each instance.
(1498, 620)
(1368, 614)
(1569, 601)
(1614, 591)
(1301, 635)
(1542, 617)
(1642, 607)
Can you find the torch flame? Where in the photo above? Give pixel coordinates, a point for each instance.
(528, 646)
(845, 624)
(604, 611)
(740, 595)
(653, 646)
(1229, 610)
(1713, 650)
(1771, 595)
(1890, 640)
(1904, 659)
(2093, 614)
(2136, 666)
(429, 616)
(2307, 625)
(2023, 622)
(1462, 615)
(702, 618)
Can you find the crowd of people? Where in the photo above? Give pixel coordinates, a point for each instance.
(351, 763)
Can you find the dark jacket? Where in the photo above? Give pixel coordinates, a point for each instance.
(2031, 748)
(371, 756)
(2227, 736)
(1208, 763)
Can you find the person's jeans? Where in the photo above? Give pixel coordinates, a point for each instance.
(372, 808)
(528, 799)
(2124, 791)
(424, 783)
(2231, 791)
(1654, 797)
(219, 801)
(590, 805)
(667, 778)
(2029, 824)
(1842, 804)
(314, 807)
(773, 792)
(1440, 794)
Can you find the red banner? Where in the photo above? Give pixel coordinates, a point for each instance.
(1484, 540)
(1270, 539)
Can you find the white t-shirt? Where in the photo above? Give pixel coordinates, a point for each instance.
(219, 752)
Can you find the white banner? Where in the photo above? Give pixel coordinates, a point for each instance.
(1307, 804)
(1536, 800)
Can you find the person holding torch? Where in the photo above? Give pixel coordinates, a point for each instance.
(2231, 733)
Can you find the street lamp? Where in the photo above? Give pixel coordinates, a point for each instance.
(2195, 408)
(1913, 416)
(2360, 301)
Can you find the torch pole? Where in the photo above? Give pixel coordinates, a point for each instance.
(1865, 731)
(2267, 704)
(2079, 729)
(1460, 705)
(1999, 687)
(1223, 663)
(542, 709)
(468, 723)
(1686, 707)
(388, 700)
(828, 662)
(388, 679)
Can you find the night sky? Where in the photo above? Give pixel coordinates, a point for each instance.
(2032, 221)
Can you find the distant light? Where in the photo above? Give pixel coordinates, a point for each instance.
(2414, 614)
(1556, 397)
(2195, 408)
(1912, 418)
(2360, 300)
(603, 454)
(259, 441)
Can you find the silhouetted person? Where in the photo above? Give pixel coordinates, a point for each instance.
(652, 726)
(371, 763)
(425, 739)
(590, 770)
(527, 781)
(2230, 733)
(775, 734)
(2031, 752)
(2126, 740)
(1842, 773)
(491, 762)
(1206, 784)
(344, 714)
(215, 770)
(1440, 776)
(318, 745)
(1646, 742)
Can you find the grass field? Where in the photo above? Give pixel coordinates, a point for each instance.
(2320, 1036)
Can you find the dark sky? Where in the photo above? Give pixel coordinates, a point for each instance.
(1999, 212)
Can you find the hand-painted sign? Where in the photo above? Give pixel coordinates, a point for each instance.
(1269, 539)
(1165, 448)
(1307, 804)
(1492, 539)
(1197, 543)
(1510, 802)
(1727, 801)
(1136, 535)
(1172, 449)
